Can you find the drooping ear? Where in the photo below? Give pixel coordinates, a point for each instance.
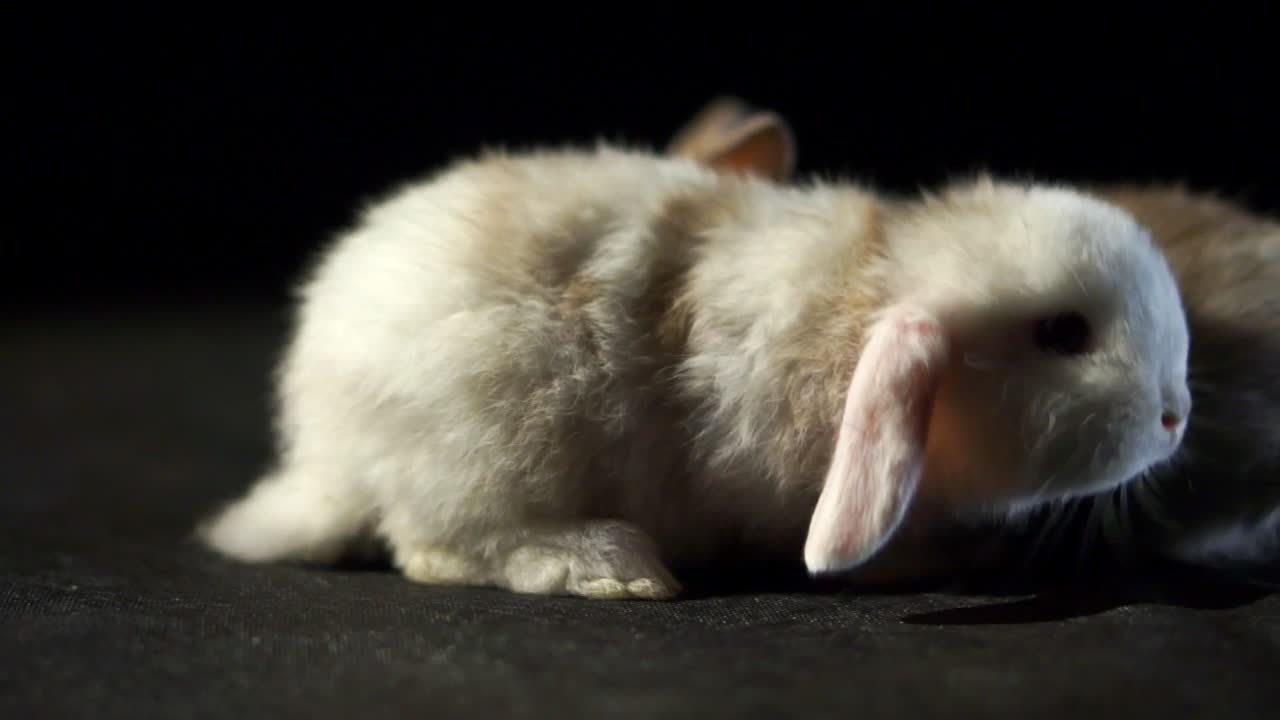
(880, 446)
(729, 135)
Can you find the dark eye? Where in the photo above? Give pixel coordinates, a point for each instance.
(1066, 333)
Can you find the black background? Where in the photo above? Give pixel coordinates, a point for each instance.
(173, 158)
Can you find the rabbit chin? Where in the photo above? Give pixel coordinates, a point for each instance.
(973, 468)
(1063, 485)
(1112, 465)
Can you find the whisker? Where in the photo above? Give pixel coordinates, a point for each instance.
(1088, 539)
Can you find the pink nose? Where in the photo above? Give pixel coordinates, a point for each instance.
(1170, 421)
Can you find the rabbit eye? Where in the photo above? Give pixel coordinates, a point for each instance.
(1065, 333)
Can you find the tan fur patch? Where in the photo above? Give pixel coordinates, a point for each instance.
(679, 227)
(1214, 248)
(823, 356)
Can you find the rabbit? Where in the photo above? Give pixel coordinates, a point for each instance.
(1217, 504)
(578, 370)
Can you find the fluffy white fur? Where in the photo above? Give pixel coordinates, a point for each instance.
(561, 372)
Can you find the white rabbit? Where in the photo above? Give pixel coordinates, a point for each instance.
(567, 371)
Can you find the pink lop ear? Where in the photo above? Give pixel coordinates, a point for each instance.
(880, 449)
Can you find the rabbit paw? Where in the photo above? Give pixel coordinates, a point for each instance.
(436, 566)
(601, 560)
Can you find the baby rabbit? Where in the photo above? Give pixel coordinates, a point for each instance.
(567, 371)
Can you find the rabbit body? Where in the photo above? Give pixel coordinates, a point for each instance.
(569, 371)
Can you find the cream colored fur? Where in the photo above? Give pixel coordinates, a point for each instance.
(567, 371)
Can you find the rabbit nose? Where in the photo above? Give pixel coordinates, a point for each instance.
(1177, 406)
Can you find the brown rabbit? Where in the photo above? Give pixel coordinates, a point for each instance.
(1218, 503)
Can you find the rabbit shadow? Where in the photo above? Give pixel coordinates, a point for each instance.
(1014, 596)
(1060, 598)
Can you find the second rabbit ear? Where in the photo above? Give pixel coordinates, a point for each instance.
(729, 135)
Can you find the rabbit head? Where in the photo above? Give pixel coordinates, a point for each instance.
(1034, 348)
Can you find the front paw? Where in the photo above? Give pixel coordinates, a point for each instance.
(607, 561)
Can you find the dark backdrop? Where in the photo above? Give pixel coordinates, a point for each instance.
(188, 157)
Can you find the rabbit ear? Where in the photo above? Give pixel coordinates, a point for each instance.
(731, 136)
(880, 448)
